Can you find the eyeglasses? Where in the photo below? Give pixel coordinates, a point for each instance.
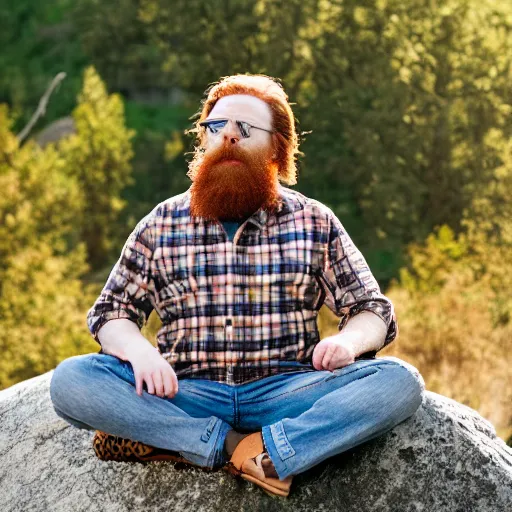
(216, 125)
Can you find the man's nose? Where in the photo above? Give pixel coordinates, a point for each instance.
(231, 134)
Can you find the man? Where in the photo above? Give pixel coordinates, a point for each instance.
(237, 268)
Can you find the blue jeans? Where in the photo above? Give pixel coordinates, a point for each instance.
(305, 416)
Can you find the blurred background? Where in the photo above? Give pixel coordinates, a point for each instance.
(407, 106)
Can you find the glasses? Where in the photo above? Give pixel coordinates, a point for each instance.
(215, 126)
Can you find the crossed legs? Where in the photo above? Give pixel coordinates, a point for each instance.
(305, 416)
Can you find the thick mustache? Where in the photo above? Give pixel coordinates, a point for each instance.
(228, 153)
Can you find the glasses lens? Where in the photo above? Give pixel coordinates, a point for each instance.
(244, 128)
(215, 126)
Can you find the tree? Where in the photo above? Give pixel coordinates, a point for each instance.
(98, 157)
(42, 299)
(406, 93)
(59, 207)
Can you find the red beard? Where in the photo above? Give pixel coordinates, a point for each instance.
(228, 191)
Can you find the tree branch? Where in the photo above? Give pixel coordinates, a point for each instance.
(41, 108)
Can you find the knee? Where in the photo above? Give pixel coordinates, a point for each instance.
(67, 376)
(415, 373)
(407, 387)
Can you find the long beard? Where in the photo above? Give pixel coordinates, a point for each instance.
(233, 191)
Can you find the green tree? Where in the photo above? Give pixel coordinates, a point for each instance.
(119, 45)
(406, 93)
(59, 208)
(37, 41)
(41, 296)
(98, 156)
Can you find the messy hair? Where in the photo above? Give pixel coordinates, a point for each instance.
(269, 90)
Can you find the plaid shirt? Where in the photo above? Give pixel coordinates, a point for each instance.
(236, 311)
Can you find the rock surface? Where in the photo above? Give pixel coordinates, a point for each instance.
(55, 131)
(444, 458)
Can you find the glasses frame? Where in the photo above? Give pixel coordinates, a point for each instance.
(206, 124)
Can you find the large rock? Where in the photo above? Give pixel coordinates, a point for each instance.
(444, 458)
(55, 131)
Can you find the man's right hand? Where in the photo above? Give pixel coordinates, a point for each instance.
(149, 366)
(121, 337)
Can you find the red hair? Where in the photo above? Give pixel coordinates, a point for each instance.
(269, 90)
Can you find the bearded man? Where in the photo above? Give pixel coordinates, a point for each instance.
(237, 268)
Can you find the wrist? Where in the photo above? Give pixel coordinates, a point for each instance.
(361, 341)
(350, 340)
(134, 351)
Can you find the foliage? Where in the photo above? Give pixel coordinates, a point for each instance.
(399, 95)
(98, 156)
(454, 303)
(59, 208)
(118, 43)
(159, 166)
(407, 92)
(41, 296)
(37, 41)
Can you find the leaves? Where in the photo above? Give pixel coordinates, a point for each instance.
(98, 158)
(58, 213)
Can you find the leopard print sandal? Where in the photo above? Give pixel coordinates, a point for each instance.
(110, 447)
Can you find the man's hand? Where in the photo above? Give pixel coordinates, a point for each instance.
(332, 352)
(149, 366)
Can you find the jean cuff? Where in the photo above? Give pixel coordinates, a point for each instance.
(278, 448)
(218, 457)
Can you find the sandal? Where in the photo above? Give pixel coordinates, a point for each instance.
(246, 462)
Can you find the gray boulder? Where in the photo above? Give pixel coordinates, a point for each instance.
(55, 131)
(444, 458)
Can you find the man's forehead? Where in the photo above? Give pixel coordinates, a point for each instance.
(244, 106)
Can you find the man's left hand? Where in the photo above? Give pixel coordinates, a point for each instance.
(332, 353)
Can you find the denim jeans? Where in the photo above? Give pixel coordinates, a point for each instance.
(305, 416)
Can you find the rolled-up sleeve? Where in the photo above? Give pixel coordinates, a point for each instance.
(127, 292)
(349, 285)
